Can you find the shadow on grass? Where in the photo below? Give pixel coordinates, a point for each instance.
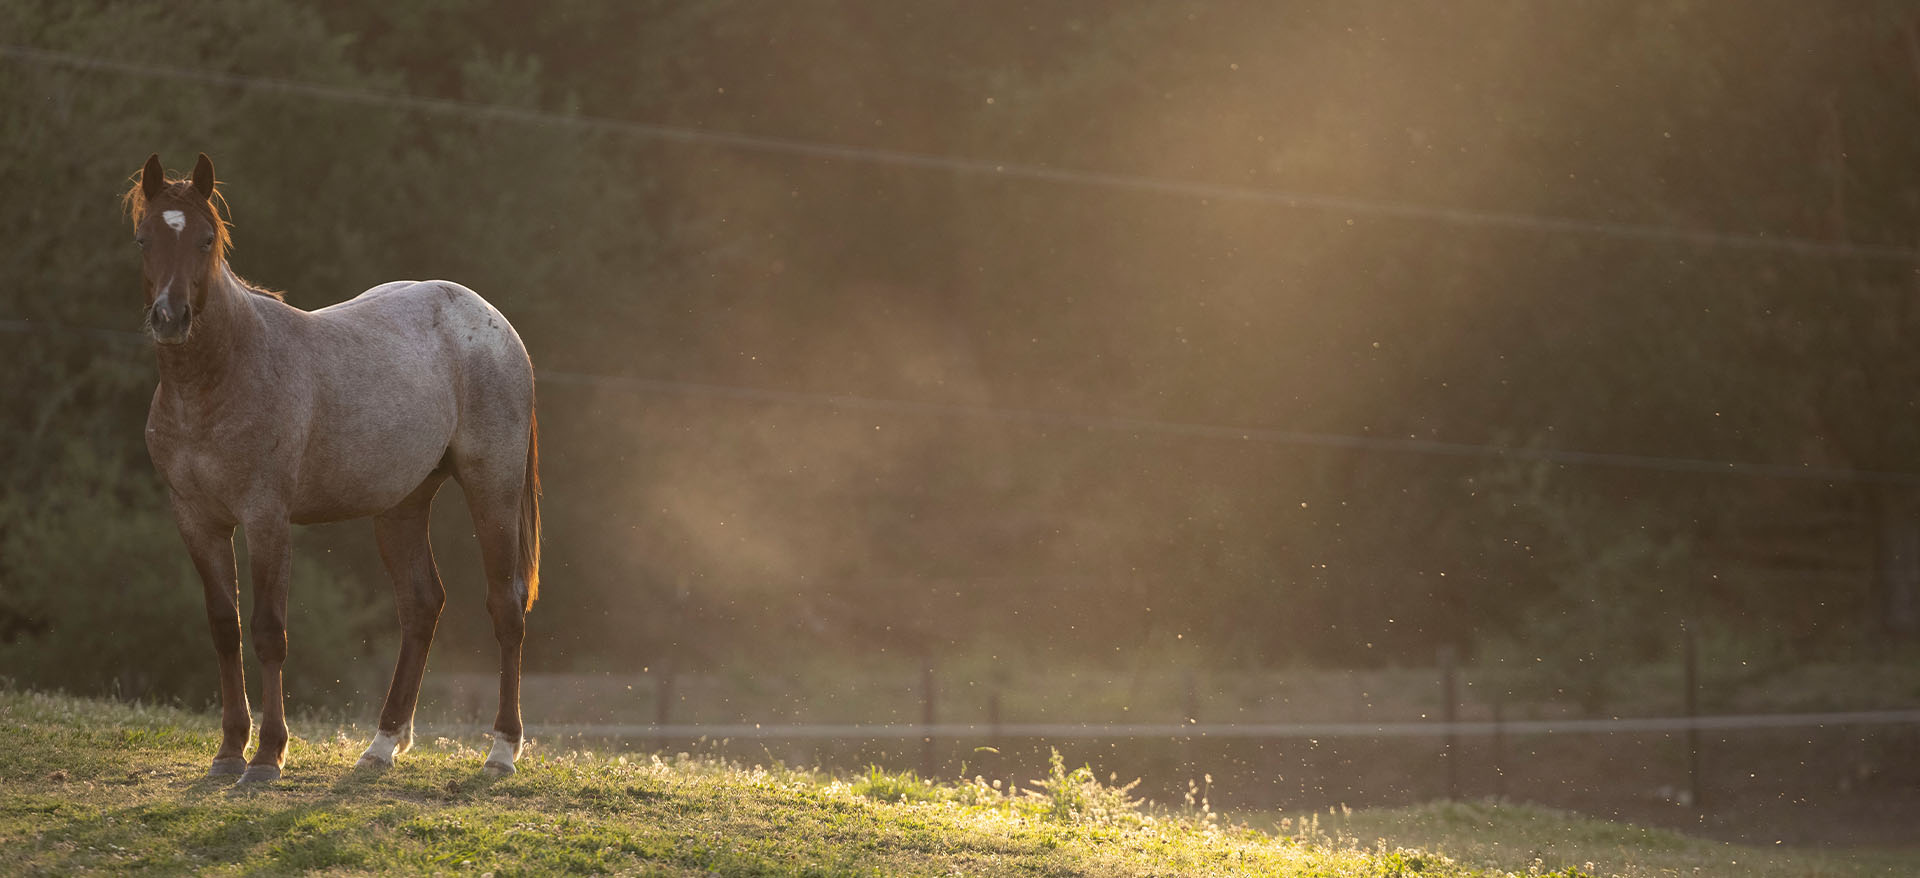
(207, 784)
(294, 824)
(363, 779)
(358, 779)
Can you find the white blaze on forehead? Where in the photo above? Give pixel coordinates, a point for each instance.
(176, 220)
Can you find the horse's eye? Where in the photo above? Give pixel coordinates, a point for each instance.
(206, 245)
(140, 243)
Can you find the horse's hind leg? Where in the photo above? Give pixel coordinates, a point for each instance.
(418, 596)
(494, 487)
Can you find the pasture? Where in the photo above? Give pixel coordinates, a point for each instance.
(1237, 378)
(99, 786)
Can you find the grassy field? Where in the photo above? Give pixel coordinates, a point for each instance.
(88, 785)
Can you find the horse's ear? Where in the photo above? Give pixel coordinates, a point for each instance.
(153, 178)
(203, 176)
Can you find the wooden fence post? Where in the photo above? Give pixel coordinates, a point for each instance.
(665, 684)
(1450, 750)
(1690, 655)
(993, 719)
(927, 716)
(663, 694)
(1499, 744)
(1189, 717)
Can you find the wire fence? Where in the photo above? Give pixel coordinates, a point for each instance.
(1092, 422)
(1181, 731)
(1149, 427)
(930, 733)
(1727, 764)
(954, 164)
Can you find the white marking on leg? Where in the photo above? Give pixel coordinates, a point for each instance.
(387, 745)
(176, 220)
(505, 751)
(384, 745)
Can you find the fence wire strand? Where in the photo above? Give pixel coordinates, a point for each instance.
(1141, 427)
(1007, 170)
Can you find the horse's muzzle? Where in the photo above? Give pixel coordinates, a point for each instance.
(169, 321)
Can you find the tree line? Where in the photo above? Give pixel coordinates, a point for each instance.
(695, 525)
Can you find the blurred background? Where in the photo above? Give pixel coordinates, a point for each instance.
(1207, 361)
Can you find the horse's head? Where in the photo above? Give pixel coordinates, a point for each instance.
(182, 240)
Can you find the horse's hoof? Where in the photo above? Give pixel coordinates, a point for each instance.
(497, 769)
(261, 774)
(227, 766)
(370, 761)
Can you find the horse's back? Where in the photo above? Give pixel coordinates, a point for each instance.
(442, 323)
(493, 378)
(416, 371)
(494, 381)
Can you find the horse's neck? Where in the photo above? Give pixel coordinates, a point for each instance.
(224, 338)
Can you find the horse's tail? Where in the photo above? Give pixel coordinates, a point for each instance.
(530, 514)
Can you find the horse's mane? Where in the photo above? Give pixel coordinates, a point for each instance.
(180, 193)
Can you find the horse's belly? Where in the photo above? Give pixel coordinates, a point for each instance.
(352, 498)
(358, 479)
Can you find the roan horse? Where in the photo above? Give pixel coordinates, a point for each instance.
(268, 416)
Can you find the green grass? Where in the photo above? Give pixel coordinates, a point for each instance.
(88, 785)
(1499, 835)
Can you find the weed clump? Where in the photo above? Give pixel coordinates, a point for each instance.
(1078, 796)
(905, 786)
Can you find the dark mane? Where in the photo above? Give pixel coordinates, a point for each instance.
(179, 194)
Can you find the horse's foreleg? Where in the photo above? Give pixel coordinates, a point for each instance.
(269, 553)
(211, 547)
(418, 596)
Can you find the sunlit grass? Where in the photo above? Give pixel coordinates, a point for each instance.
(90, 785)
(1501, 834)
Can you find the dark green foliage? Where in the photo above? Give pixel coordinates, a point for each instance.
(97, 566)
(708, 529)
(91, 558)
(121, 608)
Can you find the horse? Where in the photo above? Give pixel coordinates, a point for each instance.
(268, 416)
